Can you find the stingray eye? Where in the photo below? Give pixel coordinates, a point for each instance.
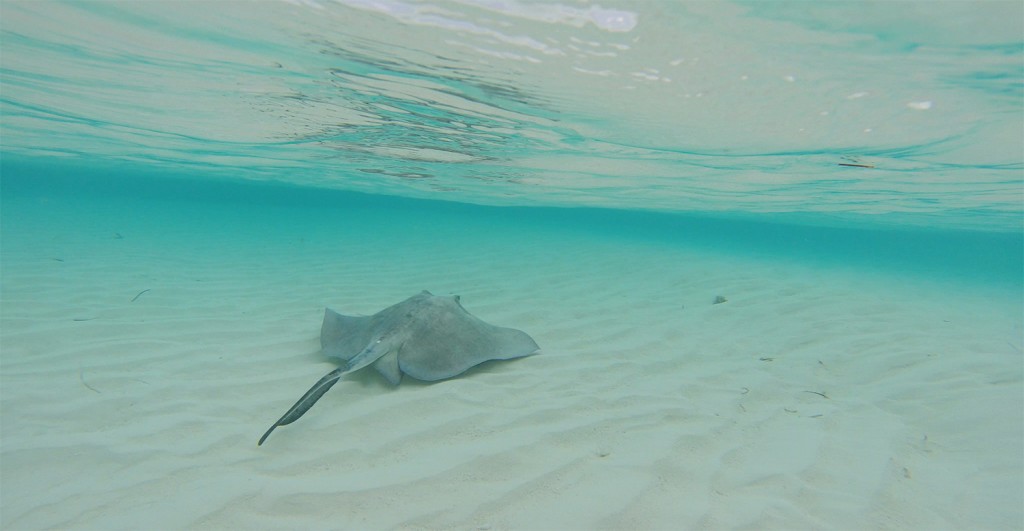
(457, 298)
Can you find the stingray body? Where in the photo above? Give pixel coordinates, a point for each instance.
(425, 336)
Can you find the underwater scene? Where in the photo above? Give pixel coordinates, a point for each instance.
(509, 264)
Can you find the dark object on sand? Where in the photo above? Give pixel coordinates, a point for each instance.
(720, 299)
(425, 336)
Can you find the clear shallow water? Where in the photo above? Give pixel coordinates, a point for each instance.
(191, 308)
(880, 114)
(184, 187)
(275, 213)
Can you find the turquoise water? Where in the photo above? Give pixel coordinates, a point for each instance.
(969, 257)
(184, 187)
(737, 109)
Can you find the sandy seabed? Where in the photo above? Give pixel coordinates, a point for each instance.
(814, 398)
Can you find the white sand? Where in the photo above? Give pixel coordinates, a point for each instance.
(649, 408)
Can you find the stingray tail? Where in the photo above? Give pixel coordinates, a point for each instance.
(307, 400)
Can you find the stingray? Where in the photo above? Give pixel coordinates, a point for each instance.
(427, 337)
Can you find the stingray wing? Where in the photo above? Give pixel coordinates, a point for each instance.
(344, 336)
(446, 340)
